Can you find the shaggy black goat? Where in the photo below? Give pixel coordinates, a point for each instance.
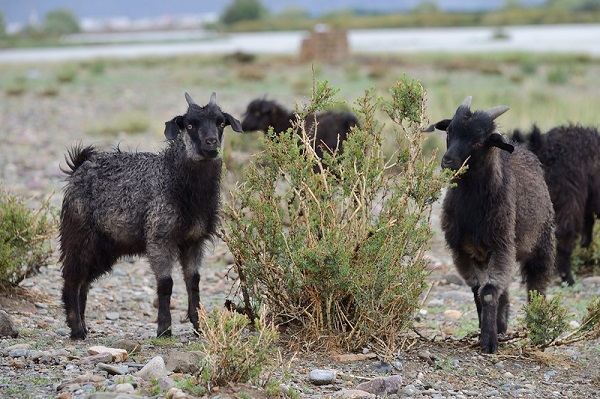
(498, 214)
(164, 205)
(571, 157)
(332, 127)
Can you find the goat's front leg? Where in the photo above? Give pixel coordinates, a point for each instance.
(488, 339)
(191, 260)
(161, 265)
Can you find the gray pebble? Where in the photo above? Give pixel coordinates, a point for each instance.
(322, 377)
(112, 369)
(18, 352)
(112, 315)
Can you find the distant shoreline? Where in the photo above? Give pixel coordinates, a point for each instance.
(571, 39)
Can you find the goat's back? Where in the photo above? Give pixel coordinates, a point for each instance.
(571, 156)
(135, 198)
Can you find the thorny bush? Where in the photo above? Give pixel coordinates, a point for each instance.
(338, 256)
(25, 236)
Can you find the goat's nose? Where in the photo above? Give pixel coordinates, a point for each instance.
(211, 141)
(446, 162)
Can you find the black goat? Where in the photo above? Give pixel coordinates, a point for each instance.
(498, 214)
(164, 205)
(571, 157)
(331, 131)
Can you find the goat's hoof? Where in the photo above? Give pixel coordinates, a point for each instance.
(489, 347)
(78, 335)
(165, 334)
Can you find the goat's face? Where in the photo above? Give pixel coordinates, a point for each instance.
(261, 114)
(470, 135)
(201, 129)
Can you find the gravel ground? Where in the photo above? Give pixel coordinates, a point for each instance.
(440, 360)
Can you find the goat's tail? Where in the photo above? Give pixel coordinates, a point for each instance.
(76, 156)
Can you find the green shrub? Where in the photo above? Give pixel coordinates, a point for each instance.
(590, 324)
(558, 76)
(24, 238)
(545, 320)
(67, 74)
(339, 254)
(232, 353)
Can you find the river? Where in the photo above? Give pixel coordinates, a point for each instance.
(584, 39)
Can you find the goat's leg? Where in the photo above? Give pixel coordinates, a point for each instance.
(477, 302)
(488, 339)
(161, 263)
(191, 260)
(164, 289)
(588, 229)
(538, 269)
(502, 316)
(83, 294)
(564, 247)
(71, 297)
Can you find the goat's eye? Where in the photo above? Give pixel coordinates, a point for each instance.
(478, 144)
(189, 127)
(222, 125)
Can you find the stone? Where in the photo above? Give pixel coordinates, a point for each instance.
(186, 362)
(452, 278)
(118, 355)
(453, 314)
(18, 352)
(353, 394)
(98, 358)
(322, 377)
(381, 386)
(155, 368)
(124, 388)
(112, 315)
(7, 328)
(112, 369)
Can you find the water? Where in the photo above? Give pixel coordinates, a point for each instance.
(584, 39)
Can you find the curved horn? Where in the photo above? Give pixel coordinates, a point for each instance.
(467, 102)
(213, 98)
(189, 99)
(495, 112)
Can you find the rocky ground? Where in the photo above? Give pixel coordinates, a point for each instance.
(440, 358)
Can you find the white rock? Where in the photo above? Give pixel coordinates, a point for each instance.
(155, 368)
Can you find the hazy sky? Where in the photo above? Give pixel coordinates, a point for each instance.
(19, 10)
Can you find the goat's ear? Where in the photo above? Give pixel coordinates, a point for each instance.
(234, 123)
(441, 125)
(173, 127)
(496, 140)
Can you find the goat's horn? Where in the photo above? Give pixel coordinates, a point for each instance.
(189, 99)
(496, 111)
(467, 102)
(213, 98)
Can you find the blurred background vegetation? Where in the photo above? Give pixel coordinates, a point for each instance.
(253, 15)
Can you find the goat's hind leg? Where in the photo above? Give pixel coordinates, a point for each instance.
(538, 269)
(74, 297)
